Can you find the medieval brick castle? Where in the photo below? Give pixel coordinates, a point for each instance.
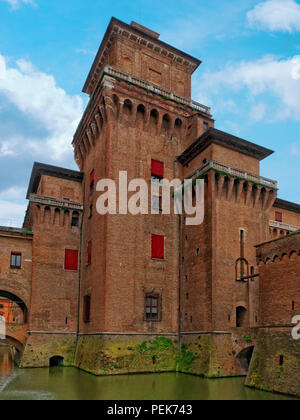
(121, 293)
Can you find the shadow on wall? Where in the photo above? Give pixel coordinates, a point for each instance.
(244, 359)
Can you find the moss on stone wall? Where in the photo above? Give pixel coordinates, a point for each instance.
(39, 349)
(117, 354)
(266, 373)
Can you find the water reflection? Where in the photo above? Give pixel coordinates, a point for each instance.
(6, 361)
(72, 384)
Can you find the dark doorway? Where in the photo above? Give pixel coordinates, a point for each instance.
(241, 317)
(244, 359)
(56, 361)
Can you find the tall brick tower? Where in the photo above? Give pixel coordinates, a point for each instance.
(140, 117)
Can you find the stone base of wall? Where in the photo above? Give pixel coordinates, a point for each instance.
(124, 354)
(209, 355)
(265, 371)
(39, 348)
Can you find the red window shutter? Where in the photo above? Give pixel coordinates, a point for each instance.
(157, 168)
(158, 247)
(278, 217)
(89, 252)
(71, 260)
(92, 177)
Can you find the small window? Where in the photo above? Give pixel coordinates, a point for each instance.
(198, 252)
(157, 203)
(92, 181)
(281, 360)
(278, 217)
(89, 252)
(91, 211)
(152, 307)
(158, 247)
(15, 260)
(157, 171)
(87, 309)
(71, 260)
(75, 219)
(206, 126)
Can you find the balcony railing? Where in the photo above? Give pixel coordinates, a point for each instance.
(55, 202)
(157, 89)
(283, 226)
(239, 173)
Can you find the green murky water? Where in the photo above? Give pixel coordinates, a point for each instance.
(72, 384)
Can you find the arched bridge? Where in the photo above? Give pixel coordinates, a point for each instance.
(14, 312)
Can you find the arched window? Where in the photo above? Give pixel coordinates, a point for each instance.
(75, 219)
(241, 317)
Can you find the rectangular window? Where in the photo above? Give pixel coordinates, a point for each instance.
(157, 202)
(87, 309)
(158, 247)
(157, 171)
(206, 126)
(71, 259)
(278, 217)
(89, 252)
(15, 260)
(152, 307)
(92, 181)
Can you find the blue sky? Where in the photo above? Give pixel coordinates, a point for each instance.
(250, 76)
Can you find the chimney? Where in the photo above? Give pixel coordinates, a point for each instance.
(145, 30)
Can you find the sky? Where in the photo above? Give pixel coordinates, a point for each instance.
(250, 76)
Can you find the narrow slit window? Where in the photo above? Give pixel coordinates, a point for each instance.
(87, 309)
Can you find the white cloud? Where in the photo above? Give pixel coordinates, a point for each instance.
(13, 193)
(44, 105)
(276, 15)
(267, 76)
(16, 4)
(11, 214)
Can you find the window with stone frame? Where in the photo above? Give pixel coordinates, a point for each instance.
(152, 307)
(15, 260)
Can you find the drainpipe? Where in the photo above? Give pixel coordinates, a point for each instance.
(179, 269)
(79, 268)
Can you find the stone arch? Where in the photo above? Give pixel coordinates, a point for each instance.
(154, 116)
(284, 256)
(56, 361)
(293, 255)
(166, 123)
(47, 214)
(11, 341)
(275, 259)
(140, 116)
(127, 109)
(56, 220)
(244, 359)
(116, 101)
(66, 217)
(14, 298)
(241, 316)
(75, 219)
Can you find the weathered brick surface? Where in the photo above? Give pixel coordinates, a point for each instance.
(265, 370)
(279, 268)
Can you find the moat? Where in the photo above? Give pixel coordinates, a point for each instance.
(73, 384)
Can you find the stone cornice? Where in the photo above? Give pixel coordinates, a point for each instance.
(119, 28)
(226, 140)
